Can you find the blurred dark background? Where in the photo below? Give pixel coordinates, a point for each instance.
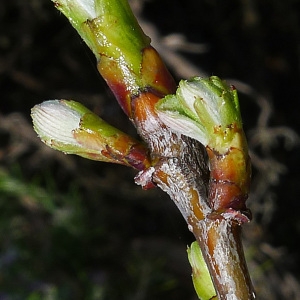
(77, 229)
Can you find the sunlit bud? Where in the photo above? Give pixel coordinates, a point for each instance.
(206, 109)
(70, 127)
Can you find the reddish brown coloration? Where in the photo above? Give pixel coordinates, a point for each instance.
(137, 158)
(56, 4)
(143, 107)
(162, 176)
(154, 73)
(178, 167)
(220, 241)
(121, 83)
(145, 179)
(146, 119)
(196, 207)
(230, 179)
(214, 218)
(120, 148)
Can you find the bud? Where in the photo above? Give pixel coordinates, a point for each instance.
(70, 127)
(205, 109)
(200, 274)
(208, 111)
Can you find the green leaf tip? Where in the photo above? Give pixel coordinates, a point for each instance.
(206, 109)
(201, 277)
(108, 27)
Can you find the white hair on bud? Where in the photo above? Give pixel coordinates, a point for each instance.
(54, 120)
(85, 8)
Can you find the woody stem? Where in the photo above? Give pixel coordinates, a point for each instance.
(220, 241)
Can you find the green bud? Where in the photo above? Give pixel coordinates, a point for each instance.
(70, 127)
(200, 274)
(206, 109)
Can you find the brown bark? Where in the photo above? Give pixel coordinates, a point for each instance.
(179, 166)
(220, 241)
(185, 178)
